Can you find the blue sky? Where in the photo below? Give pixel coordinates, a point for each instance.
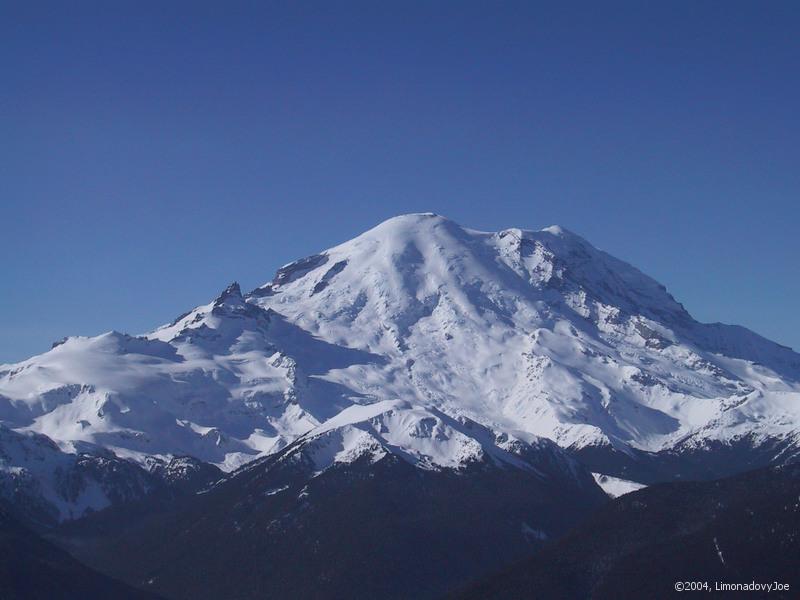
(153, 152)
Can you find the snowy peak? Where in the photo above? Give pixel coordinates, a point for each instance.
(222, 321)
(537, 330)
(408, 226)
(421, 255)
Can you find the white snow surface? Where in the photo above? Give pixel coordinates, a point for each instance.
(616, 487)
(394, 340)
(423, 436)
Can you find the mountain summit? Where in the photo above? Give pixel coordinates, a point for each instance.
(437, 343)
(538, 332)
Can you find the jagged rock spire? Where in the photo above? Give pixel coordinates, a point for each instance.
(232, 291)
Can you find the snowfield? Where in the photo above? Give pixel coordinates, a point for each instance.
(616, 487)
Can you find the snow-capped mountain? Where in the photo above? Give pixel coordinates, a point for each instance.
(430, 341)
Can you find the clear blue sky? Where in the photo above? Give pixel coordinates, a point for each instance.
(152, 152)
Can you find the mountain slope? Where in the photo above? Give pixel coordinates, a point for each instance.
(737, 530)
(348, 511)
(32, 569)
(43, 485)
(529, 333)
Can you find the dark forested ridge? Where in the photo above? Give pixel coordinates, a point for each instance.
(742, 529)
(381, 530)
(32, 568)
